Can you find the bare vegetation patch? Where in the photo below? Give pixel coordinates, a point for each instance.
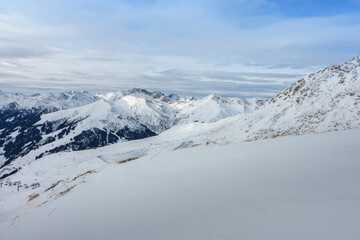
(210, 142)
(33, 196)
(196, 145)
(66, 191)
(127, 160)
(53, 186)
(84, 174)
(250, 140)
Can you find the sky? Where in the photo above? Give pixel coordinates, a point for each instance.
(239, 48)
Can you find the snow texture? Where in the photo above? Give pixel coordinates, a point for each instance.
(301, 187)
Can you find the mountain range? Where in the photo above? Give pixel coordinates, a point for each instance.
(34, 126)
(55, 122)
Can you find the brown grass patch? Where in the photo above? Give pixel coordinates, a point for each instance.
(275, 136)
(53, 186)
(33, 196)
(66, 191)
(84, 174)
(210, 142)
(127, 160)
(196, 145)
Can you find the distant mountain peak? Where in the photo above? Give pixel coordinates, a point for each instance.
(156, 94)
(326, 100)
(140, 90)
(334, 80)
(11, 106)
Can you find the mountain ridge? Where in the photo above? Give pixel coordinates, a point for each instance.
(323, 101)
(90, 121)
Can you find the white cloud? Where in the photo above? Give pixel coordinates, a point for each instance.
(108, 45)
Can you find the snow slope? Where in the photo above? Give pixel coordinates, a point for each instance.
(303, 187)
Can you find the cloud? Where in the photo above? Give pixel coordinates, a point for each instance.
(7, 76)
(235, 47)
(22, 52)
(238, 76)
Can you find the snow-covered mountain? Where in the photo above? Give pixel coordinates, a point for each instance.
(214, 107)
(56, 122)
(19, 114)
(327, 100)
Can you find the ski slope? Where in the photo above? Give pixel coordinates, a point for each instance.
(294, 187)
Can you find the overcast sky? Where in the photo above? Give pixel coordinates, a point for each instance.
(189, 47)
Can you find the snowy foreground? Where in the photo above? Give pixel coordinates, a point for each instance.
(294, 187)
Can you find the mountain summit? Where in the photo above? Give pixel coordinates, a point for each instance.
(323, 101)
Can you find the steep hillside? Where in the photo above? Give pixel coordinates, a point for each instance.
(327, 100)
